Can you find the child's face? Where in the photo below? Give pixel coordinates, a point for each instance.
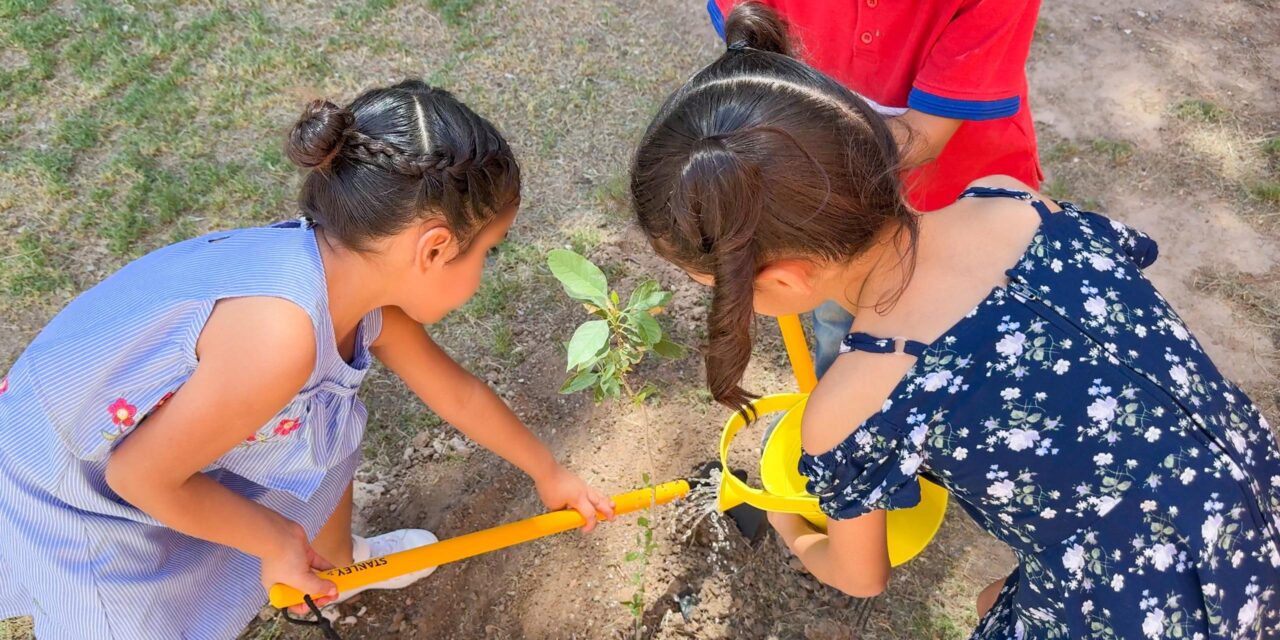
(443, 279)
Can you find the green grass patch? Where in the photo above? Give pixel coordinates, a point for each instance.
(1271, 147)
(31, 269)
(613, 195)
(1268, 192)
(1062, 150)
(1198, 110)
(453, 12)
(1056, 188)
(584, 240)
(1118, 151)
(932, 624)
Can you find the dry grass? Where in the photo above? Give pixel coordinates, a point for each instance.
(1257, 298)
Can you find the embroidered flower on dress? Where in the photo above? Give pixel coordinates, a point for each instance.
(287, 427)
(122, 413)
(4, 386)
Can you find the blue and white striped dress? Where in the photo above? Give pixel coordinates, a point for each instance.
(77, 557)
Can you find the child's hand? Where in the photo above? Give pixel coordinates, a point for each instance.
(294, 564)
(562, 488)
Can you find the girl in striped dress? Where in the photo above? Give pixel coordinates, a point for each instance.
(185, 433)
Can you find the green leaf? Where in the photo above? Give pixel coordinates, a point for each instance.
(581, 279)
(669, 349)
(646, 327)
(588, 341)
(647, 296)
(631, 556)
(642, 521)
(578, 382)
(646, 392)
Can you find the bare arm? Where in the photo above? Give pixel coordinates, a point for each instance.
(255, 354)
(921, 136)
(469, 404)
(853, 555)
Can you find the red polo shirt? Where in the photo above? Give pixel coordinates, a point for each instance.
(963, 59)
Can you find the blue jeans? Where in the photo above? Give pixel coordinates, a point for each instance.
(831, 323)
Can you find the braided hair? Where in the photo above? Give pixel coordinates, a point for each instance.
(757, 158)
(396, 155)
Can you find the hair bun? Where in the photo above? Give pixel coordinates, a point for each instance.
(759, 27)
(319, 133)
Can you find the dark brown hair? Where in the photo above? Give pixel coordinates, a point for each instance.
(759, 157)
(400, 154)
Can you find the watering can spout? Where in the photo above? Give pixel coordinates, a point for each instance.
(726, 497)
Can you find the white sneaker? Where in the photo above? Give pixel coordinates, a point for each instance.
(388, 543)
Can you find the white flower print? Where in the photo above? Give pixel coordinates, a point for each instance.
(1106, 504)
(1011, 346)
(1248, 612)
(1153, 624)
(1073, 559)
(1096, 306)
(1103, 410)
(1101, 262)
(1021, 439)
(1211, 527)
(1163, 555)
(1237, 441)
(910, 464)
(1002, 490)
(936, 380)
(1073, 392)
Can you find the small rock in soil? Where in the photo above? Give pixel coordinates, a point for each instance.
(349, 620)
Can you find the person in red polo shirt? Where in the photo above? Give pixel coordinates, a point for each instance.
(949, 74)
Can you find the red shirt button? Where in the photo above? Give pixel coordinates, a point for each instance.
(866, 37)
(873, 3)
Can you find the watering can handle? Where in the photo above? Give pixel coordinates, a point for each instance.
(798, 352)
(734, 491)
(376, 570)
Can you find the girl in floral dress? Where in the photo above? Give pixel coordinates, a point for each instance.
(184, 434)
(1006, 346)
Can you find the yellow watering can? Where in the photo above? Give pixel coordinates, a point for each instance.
(908, 531)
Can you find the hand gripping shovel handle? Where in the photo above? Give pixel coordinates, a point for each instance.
(480, 542)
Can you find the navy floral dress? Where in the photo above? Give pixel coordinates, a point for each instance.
(1074, 416)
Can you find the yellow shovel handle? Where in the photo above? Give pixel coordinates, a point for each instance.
(465, 546)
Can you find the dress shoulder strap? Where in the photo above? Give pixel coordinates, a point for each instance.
(996, 192)
(871, 344)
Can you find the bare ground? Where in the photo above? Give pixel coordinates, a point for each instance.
(1155, 112)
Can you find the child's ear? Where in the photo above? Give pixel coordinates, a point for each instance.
(794, 277)
(436, 246)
